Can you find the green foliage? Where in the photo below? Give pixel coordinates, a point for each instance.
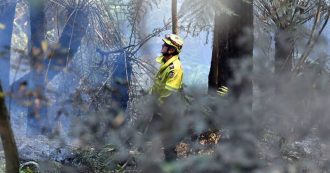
(97, 160)
(2, 26)
(28, 170)
(30, 167)
(198, 15)
(288, 13)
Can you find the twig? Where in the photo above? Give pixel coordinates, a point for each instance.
(100, 89)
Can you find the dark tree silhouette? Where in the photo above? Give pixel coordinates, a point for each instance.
(232, 44)
(44, 66)
(37, 112)
(121, 80)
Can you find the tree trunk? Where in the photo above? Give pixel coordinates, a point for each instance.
(7, 138)
(233, 45)
(215, 74)
(175, 26)
(7, 15)
(283, 51)
(37, 22)
(37, 112)
(121, 79)
(44, 70)
(69, 42)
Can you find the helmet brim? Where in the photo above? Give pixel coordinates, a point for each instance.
(167, 41)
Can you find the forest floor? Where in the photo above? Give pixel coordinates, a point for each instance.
(38, 149)
(92, 160)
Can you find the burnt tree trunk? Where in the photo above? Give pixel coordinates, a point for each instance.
(7, 15)
(69, 42)
(121, 79)
(283, 51)
(233, 49)
(44, 69)
(219, 72)
(37, 22)
(284, 46)
(7, 138)
(37, 111)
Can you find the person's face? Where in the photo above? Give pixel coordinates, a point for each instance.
(166, 49)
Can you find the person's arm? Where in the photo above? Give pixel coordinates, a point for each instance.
(173, 83)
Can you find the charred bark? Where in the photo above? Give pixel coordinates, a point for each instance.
(37, 112)
(232, 49)
(69, 42)
(283, 51)
(37, 22)
(120, 81)
(44, 69)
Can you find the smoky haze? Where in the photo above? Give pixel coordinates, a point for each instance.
(99, 112)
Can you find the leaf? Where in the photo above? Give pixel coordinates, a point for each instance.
(35, 51)
(44, 45)
(2, 94)
(118, 121)
(30, 167)
(2, 26)
(109, 148)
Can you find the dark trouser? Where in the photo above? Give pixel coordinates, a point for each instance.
(169, 141)
(170, 153)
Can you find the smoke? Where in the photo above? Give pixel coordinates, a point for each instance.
(286, 129)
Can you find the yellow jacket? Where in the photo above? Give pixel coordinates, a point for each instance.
(169, 77)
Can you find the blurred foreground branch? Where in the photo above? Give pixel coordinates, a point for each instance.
(7, 138)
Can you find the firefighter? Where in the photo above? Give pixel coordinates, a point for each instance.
(167, 81)
(170, 75)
